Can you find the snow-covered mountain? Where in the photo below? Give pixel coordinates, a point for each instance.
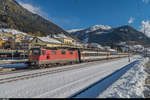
(13, 31)
(83, 34)
(105, 35)
(91, 29)
(97, 27)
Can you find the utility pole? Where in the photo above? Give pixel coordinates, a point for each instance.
(12, 54)
(128, 54)
(145, 52)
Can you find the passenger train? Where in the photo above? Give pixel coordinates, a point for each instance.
(43, 57)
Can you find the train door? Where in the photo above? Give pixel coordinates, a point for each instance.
(108, 54)
(79, 55)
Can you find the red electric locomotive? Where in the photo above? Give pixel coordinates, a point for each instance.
(40, 57)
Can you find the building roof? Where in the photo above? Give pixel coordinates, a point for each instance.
(48, 39)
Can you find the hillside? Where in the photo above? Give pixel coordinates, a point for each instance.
(14, 16)
(108, 36)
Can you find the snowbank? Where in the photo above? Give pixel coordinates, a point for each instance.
(130, 85)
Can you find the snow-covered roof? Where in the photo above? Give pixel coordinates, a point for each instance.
(112, 50)
(48, 39)
(62, 36)
(138, 46)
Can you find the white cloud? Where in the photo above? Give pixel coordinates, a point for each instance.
(146, 1)
(66, 22)
(34, 9)
(30, 7)
(145, 28)
(131, 20)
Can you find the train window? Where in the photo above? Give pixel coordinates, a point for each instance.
(87, 54)
(36, 41)
(71, 53)
(53, 52)
(36, 52)
(90, 54)
(63, 52)
(43, 52)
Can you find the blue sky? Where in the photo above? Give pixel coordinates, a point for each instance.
(74, 14)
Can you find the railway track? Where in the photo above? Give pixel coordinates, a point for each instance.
(37, 74)
(15, 71)
(25, 70)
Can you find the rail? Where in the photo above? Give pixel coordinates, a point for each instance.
(37, 74)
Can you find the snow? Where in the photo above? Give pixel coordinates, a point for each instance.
(60, 36)
(130, 85)
(138, 46)
(112, 50)
(86, 39)
(13, 31)
(95, 45)
(62, 84)
(102, 32)
(96, 27)
(48, 39)
(74, 30)
(91, 29)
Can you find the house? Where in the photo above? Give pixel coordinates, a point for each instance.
(2, 43)
(26, 44)
(45, 41)
(66, 41)
(63, 38)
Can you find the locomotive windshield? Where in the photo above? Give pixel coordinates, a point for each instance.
(35, 52)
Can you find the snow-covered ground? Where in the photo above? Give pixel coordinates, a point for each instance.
(62, 84)
(130, 85)
(126, 83)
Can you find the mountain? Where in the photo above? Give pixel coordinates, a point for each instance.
(14, 16)
(107, 36)
(83, 34)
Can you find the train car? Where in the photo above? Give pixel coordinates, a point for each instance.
(93, 55)
(99, 55)
(40, 57)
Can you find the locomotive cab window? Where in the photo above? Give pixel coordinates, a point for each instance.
(36, 52)
(71, 53)
(63, 52)
(43, 52)
(53, 52)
